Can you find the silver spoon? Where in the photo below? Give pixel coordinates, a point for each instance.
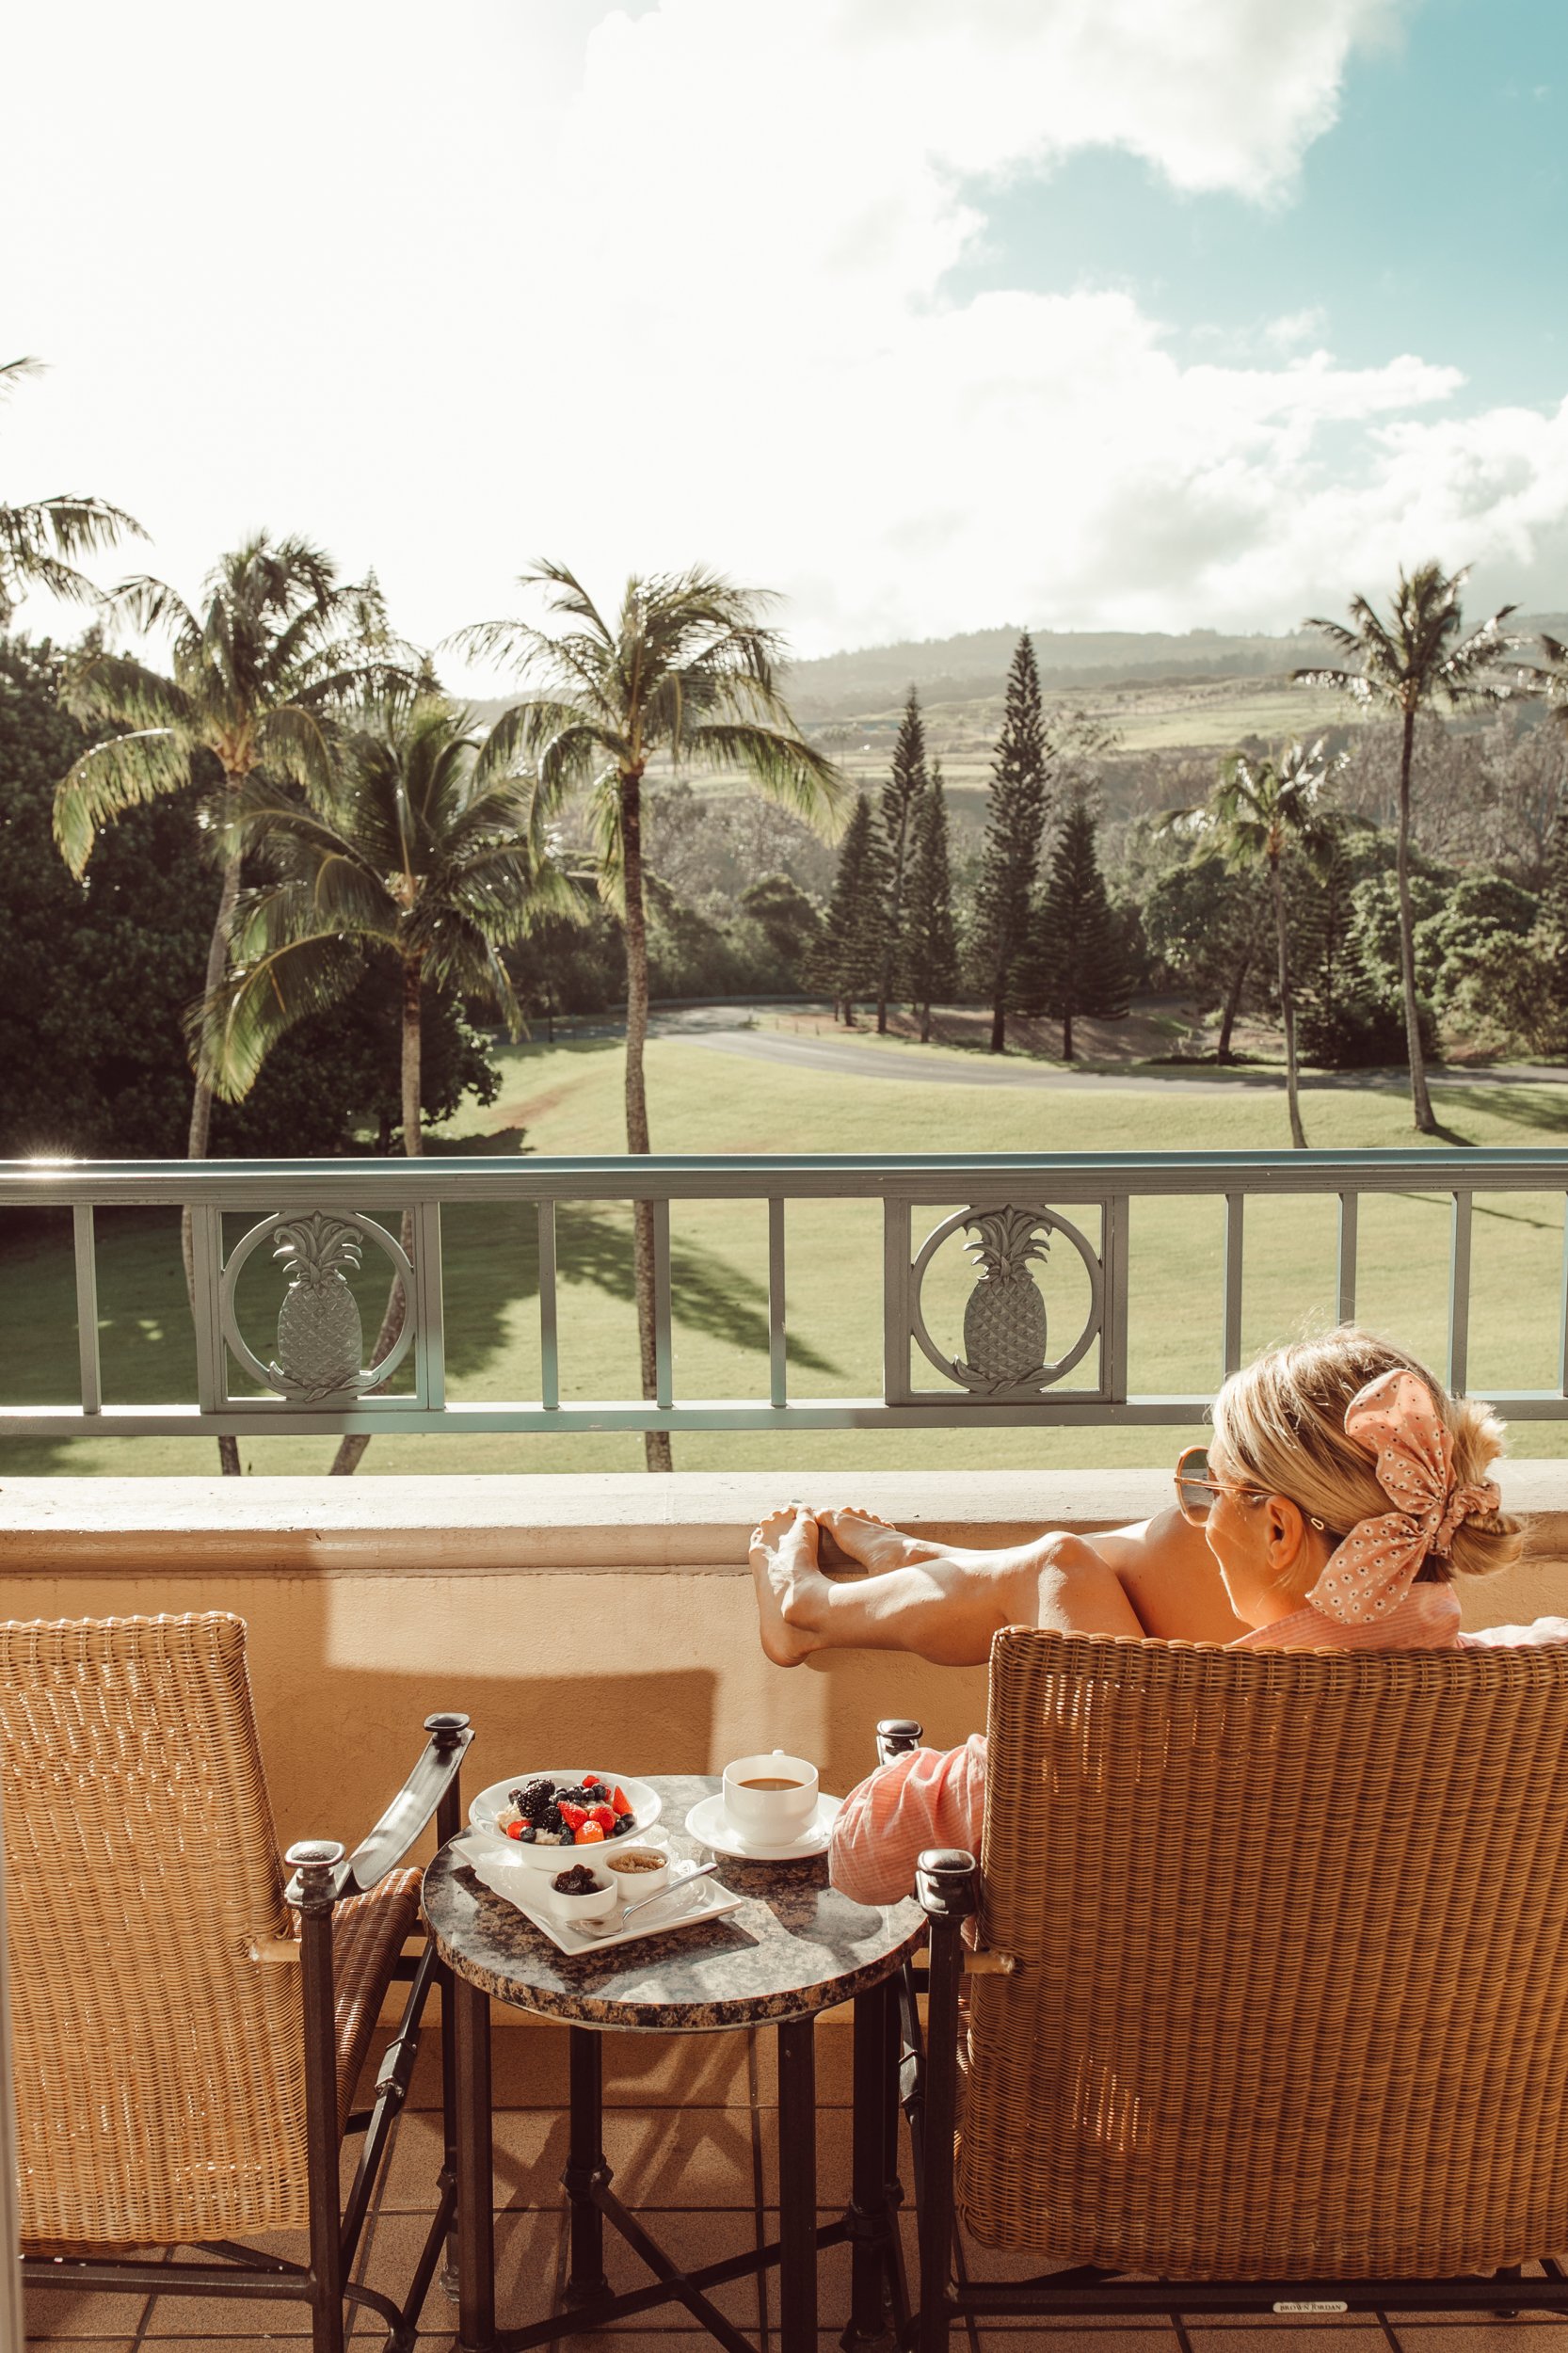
(614, 1927)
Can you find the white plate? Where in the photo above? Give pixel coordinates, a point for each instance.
(709, 1823)
(682, 1905)
(647, 1806)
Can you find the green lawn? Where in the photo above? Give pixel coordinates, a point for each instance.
(566, 1099)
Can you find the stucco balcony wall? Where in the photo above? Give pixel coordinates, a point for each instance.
(599, 1619)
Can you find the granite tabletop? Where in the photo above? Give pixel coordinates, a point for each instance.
(795, 1945)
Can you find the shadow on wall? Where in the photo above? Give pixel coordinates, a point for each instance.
(323, 1725)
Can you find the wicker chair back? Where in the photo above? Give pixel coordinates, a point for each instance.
(159, 2063)
(1292, 1941)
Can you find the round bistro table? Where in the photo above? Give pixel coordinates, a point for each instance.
(795, 1946)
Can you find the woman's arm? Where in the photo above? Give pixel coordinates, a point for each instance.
(927, 1799)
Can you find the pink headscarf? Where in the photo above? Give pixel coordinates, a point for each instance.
(1396, 1419)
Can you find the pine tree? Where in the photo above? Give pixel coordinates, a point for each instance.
(1553, 925)
(849, 956)
(1073, 962)
(900, 795)
(1010, 861)
(929, 953)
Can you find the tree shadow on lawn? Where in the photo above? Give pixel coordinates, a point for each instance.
(498, 1264)
(1543, 1108)
(592, 1245)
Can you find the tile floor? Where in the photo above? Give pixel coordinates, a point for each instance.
(690, 2132)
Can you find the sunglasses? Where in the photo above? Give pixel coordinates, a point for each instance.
(1197, 1488)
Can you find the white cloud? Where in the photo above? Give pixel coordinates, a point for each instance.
(639, 287)
(1293, 329)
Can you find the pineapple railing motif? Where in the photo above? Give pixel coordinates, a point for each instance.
(1005, 1324)
(320, 1331)
(1044, 1231)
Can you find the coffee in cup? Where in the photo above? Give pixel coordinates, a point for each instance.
(771, 1799)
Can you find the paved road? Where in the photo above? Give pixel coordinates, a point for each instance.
(846, 1058)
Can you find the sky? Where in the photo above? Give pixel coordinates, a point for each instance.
(1073, 313)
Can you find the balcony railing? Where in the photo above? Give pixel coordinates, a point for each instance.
(1027, 1356)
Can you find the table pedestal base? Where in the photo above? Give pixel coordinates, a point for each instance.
(879, 2302)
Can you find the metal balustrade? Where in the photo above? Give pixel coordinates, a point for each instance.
(322, 1219)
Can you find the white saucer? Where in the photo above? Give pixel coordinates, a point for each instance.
(709, 1823)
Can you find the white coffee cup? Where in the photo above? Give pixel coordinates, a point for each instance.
(773, 1817)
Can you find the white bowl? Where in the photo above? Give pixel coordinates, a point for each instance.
(645, 1808)
(634, 1885)
(598, 1906)
(772, 1817)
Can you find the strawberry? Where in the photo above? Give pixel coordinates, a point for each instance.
(589, 1835)
(603, 1816)
(621, 1801)
(514, 1830)
(573, 1815)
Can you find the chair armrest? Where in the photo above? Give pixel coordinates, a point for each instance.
(895, 1736)
(947, 1885)
(385, 1846)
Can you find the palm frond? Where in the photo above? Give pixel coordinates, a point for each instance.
(296, 744)
(107, 689)
(152, 604)
(567, 595)
(125, 772)
(1335, 632)
(784, 766)
(232, 1030)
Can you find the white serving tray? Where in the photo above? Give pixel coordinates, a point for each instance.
(682, 1905)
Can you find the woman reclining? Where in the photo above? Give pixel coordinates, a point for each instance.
(1342, 1490)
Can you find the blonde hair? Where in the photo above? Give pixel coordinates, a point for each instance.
(1279, 1428)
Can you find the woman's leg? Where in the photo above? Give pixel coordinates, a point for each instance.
(942, 1605)
(1165, 1569)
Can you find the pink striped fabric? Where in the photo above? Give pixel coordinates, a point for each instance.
(1426, 1619)
(937, 1798)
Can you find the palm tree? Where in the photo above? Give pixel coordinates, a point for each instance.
(38, 542)
(279, 646)
(400, 851)
(685, 668)
(1257, 811)
(1419, 655)
(1549, 679)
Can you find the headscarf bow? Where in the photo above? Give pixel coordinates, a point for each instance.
(1396, 1419)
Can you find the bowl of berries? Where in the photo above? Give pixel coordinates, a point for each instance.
(539, 1814)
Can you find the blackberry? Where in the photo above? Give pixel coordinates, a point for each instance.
(533, 1801)
(552, 1819)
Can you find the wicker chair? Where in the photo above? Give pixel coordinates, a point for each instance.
(185, 2048)
(1271, 2000)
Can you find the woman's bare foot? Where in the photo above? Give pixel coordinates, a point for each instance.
(869, 1543)
(784, 1571)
